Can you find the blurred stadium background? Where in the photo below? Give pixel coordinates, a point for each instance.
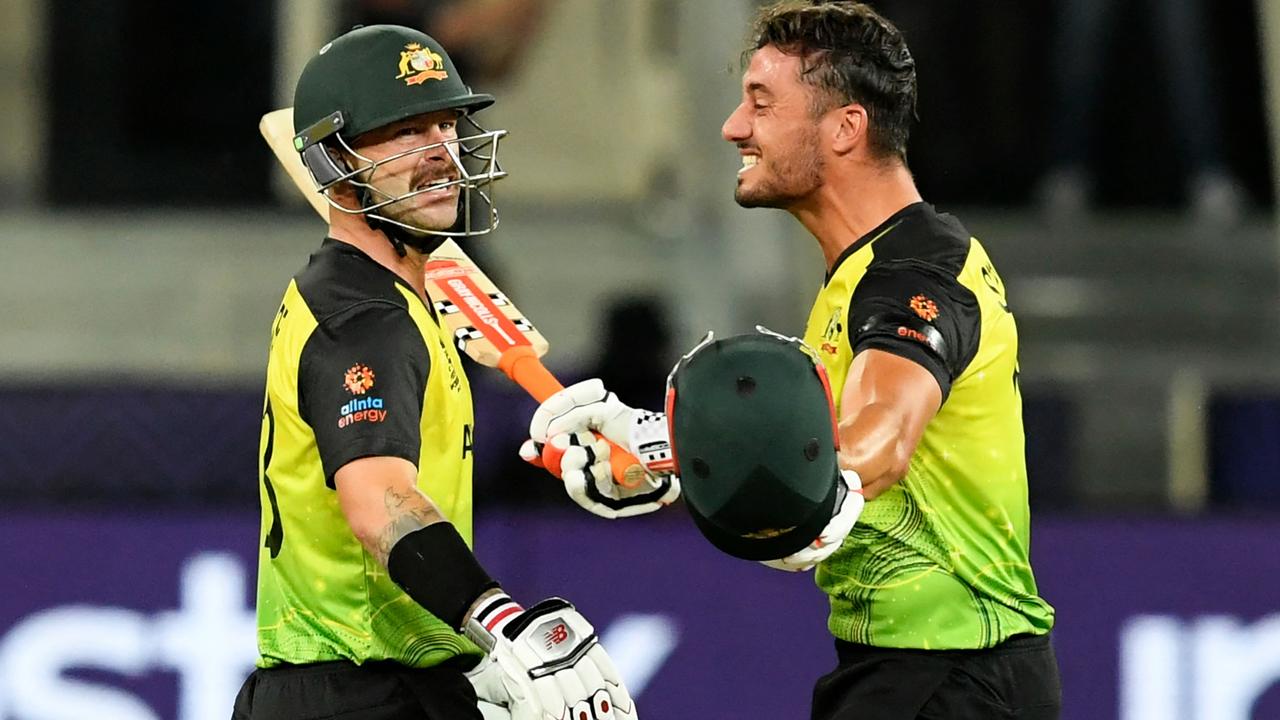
(146, 238)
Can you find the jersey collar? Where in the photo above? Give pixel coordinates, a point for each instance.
(334, 245)
(880, 230)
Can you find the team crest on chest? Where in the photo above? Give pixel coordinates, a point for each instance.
(831, 334)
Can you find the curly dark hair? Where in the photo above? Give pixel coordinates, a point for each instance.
(851, 55)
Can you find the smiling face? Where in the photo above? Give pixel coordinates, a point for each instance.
(428, 140)
(776, 133)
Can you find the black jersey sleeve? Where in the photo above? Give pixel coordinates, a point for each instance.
(361, 381)
(919, 312)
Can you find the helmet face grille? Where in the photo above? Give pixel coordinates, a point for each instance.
(474, 157)
(376, 75)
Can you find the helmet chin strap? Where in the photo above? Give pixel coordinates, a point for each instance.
(399, 237)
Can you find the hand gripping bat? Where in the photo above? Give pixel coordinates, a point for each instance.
(486, 326)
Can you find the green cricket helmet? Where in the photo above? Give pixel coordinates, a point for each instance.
(753, 432)
(376, 75)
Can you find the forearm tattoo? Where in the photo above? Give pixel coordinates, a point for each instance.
(409, 511)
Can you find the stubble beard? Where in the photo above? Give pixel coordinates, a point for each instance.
(795, 177)
(421, 221)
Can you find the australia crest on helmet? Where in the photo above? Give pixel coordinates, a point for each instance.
(419, 64)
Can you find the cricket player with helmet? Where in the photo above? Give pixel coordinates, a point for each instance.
(371, 604)
(934, 606)
(753, 431)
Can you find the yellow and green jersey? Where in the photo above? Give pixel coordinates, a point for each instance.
(358, 367)
(941, 559)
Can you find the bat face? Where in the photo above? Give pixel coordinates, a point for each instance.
(483, 321)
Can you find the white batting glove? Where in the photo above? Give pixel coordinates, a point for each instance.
(581, 407)
(848, 508)
(544, 663)
(492, 697)
(489, 711)
(560, 440)
(583, 462)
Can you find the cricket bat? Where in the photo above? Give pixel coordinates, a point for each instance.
(483, 321)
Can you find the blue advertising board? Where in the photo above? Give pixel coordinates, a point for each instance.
(142, 616)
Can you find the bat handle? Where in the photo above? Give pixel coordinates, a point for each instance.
(522, 365)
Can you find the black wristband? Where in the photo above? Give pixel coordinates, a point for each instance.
(437, 569)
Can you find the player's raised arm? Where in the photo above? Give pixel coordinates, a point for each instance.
(913, 330)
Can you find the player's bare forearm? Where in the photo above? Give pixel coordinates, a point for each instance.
(381, 502)
(872, 444)
(887, 403)
(407, 511)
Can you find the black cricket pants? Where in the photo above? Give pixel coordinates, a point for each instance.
(346, 691)
(1015, 680)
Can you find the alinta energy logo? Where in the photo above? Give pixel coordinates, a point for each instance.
(925, 308)
(358, 380)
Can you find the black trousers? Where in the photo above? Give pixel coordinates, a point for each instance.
(1016, 680)
(345, 691)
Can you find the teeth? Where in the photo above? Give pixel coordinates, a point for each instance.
(748, 162)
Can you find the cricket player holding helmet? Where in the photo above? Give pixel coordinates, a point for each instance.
(934, 606)
(371, 604)
(753, 433)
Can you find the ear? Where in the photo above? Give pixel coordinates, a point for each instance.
(851, 128)
(343, 192)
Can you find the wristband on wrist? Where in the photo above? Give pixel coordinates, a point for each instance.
(434, 566)
(487, 617)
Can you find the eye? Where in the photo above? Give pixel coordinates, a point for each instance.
(406, 131)
(448, 124)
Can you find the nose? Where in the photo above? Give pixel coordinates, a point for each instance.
(735, 128)
(438, 138)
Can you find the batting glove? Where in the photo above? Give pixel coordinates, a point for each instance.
(582, 460)
(544, 663)
(561, 441)
(492, 697)
(849, 502)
